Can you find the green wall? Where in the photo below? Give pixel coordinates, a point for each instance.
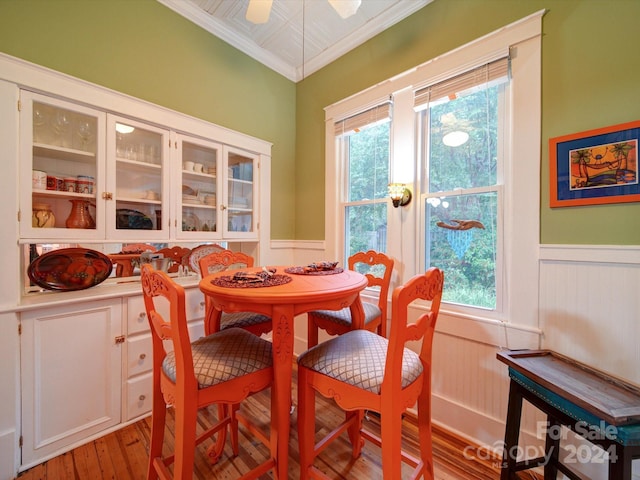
(590, 69)
(142, 48)
(590, 72)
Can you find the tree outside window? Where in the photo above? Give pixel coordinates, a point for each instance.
(461, 203)
(367, 177)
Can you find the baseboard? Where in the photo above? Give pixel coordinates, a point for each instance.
(459, 449)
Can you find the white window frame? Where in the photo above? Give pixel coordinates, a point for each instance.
(521, 209)
(343, 147)
(498, 187)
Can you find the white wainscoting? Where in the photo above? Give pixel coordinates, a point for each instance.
(590, 306)
(590, 311)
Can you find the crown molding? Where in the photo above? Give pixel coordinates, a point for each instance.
(293, 72)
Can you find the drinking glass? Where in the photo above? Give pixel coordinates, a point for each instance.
(85, 132)
(61, 127)
(39, 123)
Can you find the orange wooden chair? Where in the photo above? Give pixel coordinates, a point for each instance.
(228, 260)
(223, 368)
(129, 252)
(378, 269)
(138, 248)
(179, 255)
(364, 371)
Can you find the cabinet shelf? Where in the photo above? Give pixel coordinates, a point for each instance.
(139, 166)
(237, 180)
(188, 174)
(63, 153)
(199, 205)
(62, 195)
(144, 201)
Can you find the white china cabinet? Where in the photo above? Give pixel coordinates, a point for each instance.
(90, 175)
(87, 165)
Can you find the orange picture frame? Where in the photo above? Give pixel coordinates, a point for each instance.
(595, 167)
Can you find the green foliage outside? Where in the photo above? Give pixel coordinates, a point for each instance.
(467, 256)
(368, 180)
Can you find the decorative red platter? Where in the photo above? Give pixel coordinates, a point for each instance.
(70, 269)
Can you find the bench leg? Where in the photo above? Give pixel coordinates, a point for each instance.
(512, 432)
(551, 448)
(620, 464)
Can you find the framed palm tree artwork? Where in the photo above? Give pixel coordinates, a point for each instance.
(595, 167)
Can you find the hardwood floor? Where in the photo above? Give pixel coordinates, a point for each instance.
(122, 455)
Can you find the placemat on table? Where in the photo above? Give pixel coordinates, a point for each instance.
(305, 271)
(229, 281)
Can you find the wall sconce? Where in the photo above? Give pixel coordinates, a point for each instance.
(400, 195)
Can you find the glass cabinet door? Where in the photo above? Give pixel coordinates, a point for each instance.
(198, 190)
(137, 181)
(239, 209)
(61, 169)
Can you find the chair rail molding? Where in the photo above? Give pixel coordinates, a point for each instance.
(629, 254)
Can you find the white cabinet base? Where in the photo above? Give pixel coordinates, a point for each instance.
(71, 375)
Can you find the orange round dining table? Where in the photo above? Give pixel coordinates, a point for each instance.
(282, 302)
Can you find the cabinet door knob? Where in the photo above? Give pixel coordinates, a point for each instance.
(142, 316)
(143, 356)
(202, 304)
(142, 397)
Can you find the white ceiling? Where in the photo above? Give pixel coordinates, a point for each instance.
(279, 43)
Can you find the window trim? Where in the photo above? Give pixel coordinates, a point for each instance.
(521, 174)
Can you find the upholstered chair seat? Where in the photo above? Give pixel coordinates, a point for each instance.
(336, 358)
(343, 317)
(378, 269)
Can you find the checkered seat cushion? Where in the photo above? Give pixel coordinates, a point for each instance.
(241, 319)
(358, 358)
(343, 317)
(223, 356)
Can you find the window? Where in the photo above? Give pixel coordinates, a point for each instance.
(462, 121)
(364, 142)
(489, 183)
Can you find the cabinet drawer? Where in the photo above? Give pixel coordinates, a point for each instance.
(140, 349)
(194, 300)
(137, 316)
(139, 354)
(139, 396)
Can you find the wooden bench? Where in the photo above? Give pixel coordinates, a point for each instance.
(601, 409)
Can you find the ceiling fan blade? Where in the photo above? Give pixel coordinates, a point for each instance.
(345, 8)
(258, 11)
